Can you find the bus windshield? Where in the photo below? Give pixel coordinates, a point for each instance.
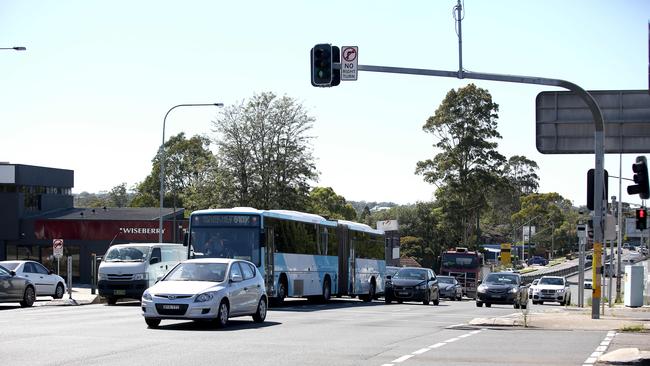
(226, 242)
(460, 260)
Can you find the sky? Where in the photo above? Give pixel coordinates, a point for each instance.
(91, 91)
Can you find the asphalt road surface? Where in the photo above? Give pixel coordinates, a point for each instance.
(343, 332)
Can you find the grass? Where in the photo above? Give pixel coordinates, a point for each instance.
(526, 270)
(633, 328)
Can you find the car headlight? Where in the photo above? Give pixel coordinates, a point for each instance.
(560, 291)
(421, 287)
(481, 288)
(146, 296)
(206, 296)
(140, 276)
(102, 277)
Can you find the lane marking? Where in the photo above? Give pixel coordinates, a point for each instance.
(465, 335)
(600, 349)
(421, 351)
(451, 340)
(401, 359)
(437, 345)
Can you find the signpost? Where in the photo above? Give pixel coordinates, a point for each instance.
(57, 250)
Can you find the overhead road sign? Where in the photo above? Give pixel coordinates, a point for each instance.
(564, 124)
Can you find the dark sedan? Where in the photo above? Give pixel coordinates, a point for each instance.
(16, 289)
(502, 288)
(450, 288)
(412, 284)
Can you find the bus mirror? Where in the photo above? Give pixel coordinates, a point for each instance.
(186, 239)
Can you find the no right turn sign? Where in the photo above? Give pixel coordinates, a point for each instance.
(349, 62)
(57, 248)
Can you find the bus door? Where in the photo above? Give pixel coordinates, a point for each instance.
(344, 257)
(270, 263)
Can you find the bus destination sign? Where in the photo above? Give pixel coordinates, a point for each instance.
(226, 220)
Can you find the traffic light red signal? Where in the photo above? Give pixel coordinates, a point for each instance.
(641, 218)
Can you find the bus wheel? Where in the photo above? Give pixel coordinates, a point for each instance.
(327, 290)
(371, 293)
(282, 293)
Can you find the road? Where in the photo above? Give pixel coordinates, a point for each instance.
(344, 332)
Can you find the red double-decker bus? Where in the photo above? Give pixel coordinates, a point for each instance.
(465, 266)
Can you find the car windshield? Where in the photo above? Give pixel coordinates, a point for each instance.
(127, 254)
(448, 280)
(501, 279)
(212, 272)
(535, 281)
(411, 274)
(10, 265)
(4, 271)
(551, 281)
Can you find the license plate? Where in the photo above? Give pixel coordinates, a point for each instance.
(403, 293)
(497, 296)
(119, 292)
(171, 307)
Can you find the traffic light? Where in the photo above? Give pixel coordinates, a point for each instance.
(641, 218)
(640, 169)
(590, 188)
(321, 65)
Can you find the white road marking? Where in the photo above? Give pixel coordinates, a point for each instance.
(401, 359)
(421, 351)
(451, 340)
(465, 335)
(437, 345)
(600, 349)
(591, 360)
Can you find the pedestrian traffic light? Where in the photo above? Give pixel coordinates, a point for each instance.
(641, 218)
(321, 65)
(640, 169)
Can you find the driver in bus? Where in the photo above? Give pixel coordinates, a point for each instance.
(216, 247)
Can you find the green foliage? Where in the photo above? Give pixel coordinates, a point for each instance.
(325, 202)
(118, 197)
(265, 153)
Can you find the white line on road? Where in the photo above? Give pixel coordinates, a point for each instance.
(451, 340)
(421, 351)
(401, 359)
(437, 345)
(600, 349)
(433, 346)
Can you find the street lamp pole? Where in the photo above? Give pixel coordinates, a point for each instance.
(162, 160)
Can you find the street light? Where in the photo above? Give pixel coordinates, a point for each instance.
(162, 160)
(19, 48)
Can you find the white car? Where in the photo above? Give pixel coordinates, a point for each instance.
(531, 287)
(552, 289)
(46, 282)
(207, 289)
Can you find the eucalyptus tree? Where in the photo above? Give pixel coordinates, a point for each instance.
(467, 163)
(264, 148)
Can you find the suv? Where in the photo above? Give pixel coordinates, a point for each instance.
(537, 260)
(552, 289)
(502, 288)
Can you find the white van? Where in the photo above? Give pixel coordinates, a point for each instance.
(127, 270)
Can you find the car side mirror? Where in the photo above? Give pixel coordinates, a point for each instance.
(159, 278)
(49, 271)
(154, 260)
(13, 273)
(236, 278)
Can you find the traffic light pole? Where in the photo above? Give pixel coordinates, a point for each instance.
(599, 136)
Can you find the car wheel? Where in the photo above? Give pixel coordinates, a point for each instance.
(260, 314)
(488, 305)
(58, 293)
(460, 298)
(399, 301)
(28, 297)
(427, 298)
(387, 300)
(152, 323)
(479, 304)
(111, 300)
(222, 314)
(541, 302)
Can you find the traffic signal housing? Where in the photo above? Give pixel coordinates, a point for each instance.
(591, 187)
(323, 72)
(640, 169)
(641, 218)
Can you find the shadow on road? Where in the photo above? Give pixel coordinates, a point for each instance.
(233, 325)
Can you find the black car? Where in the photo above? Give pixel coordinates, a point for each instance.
(450, 288)
(14, 288)
(412, 284)
(502, 288)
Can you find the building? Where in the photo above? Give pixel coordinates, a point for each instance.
(36, 207)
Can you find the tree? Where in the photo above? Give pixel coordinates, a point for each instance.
(192, 176)
(265, 151)
(118, 197)
(468, 164)
(325, 202)
(521, 172)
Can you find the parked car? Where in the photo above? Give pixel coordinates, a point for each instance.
(531, 287)
(127, 270)
(46, 283)
(391, 270)
(537, 260)
(552, 289)
(214, 289)
(14, 288)
(412, 284)
(588, 283)
(502, 288)
(450, 288)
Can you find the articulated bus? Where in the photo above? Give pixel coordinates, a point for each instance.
(299, 254)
